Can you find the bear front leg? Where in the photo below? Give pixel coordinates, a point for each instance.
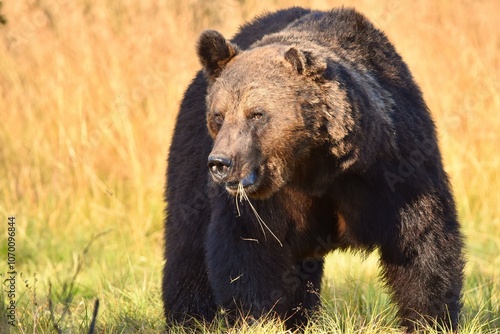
(304, 280)
(246, 269)
(424, 265)
(187, 294)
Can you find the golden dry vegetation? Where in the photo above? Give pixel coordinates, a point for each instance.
(89, 92)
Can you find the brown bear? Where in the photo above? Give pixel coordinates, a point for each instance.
(318, 139)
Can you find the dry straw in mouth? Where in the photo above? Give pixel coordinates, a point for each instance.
(242, 195)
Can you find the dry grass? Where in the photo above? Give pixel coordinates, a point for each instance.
(88, 97)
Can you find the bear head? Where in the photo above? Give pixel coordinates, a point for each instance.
(281, 115)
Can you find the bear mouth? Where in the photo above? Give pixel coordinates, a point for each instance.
(249, 183)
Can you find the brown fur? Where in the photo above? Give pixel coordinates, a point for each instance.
(316, 123)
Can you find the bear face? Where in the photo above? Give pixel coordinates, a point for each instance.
(267, 114)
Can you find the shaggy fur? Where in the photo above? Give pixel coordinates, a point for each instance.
(317, 120)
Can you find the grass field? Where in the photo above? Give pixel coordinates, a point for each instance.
(89, 92)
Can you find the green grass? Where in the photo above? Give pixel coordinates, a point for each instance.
(353, 302)
(88, 96)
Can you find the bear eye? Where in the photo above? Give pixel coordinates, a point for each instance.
(256, 115)
(218, 118)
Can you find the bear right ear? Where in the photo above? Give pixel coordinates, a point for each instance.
(305, 62)
(214, 53)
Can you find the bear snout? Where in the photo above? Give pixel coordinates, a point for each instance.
(225, 171)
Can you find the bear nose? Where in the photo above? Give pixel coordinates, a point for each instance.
(219, 166)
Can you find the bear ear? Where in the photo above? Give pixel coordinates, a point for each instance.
(214, 53)
(305, 62)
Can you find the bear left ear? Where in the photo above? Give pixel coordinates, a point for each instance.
(214, 53)
(305, 62)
